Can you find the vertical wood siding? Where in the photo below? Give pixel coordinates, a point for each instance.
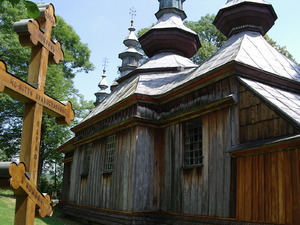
(204, 190)
(134, 183)
(268, 187)
(66, 180)
(148, 173)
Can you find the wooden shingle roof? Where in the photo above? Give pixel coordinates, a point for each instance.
(285, 102)
(252, 50)
(164, 73)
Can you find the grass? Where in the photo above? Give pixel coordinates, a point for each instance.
(7, 211)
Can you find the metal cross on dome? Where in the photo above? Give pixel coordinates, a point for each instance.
(132, 13)
(105, 63)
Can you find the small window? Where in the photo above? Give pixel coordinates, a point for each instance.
(193, 155)
(87, 151)
(110, 154)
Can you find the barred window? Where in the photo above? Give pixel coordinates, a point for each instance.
(193, 155)
(110, 153)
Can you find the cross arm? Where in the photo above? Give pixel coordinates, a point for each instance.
(30, 34)
(20, 180)
(26, 93)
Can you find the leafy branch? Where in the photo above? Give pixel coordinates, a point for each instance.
(32, 9)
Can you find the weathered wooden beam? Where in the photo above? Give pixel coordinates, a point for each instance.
(26, 93)
(20, 180)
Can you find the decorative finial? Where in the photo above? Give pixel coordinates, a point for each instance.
(132, 13)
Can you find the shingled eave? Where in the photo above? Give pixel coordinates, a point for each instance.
(266, 145)
(67, 146)
(284, 102)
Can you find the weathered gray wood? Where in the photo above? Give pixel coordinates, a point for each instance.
(149, 172)
(258, 121)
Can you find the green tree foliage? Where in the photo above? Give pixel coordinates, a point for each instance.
(211, 38)
(59, 84)
(32, 9)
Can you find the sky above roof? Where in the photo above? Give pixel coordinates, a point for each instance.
(103, 25)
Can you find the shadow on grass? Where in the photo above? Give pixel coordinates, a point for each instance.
(7, 193)
(58, 218)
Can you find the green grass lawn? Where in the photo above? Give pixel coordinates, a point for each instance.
(7, 209)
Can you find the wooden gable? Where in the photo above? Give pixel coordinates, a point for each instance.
(258, 120)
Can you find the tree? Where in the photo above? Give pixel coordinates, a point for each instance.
(32, 8)
(211, 38)
(59, 85)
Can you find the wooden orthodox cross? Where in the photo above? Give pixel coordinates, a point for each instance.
(44, 50)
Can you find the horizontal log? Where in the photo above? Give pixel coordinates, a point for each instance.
(110, 217)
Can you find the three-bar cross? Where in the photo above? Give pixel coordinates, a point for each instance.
(35, 33)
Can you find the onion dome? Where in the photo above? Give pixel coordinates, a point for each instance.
(130, 57)
(170, 34)
(114, 86)
(101, 94)
(245, 15)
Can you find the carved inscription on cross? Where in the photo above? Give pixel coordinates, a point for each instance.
(26, 93)
(19, 179)
(36, 33)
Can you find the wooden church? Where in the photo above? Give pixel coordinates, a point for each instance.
(178, 143)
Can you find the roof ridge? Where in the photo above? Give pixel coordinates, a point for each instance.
(290, 62)
(267, 58)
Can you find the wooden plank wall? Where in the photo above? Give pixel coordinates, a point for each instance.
(203, 191)
(206, 190)
(148, 172)
(66, 180)
(132, 185)
(258, 121)
(268, 187)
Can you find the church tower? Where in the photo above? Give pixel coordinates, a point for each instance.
(130, 57)
(179, 143)
(170, 34)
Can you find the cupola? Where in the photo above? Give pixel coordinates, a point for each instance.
(170, 34)
(130, 57)
(240, 15)
(101, 94)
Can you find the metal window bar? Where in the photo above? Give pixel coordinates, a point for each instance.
(110, 153)
(193, 154)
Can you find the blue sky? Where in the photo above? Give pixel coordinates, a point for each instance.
(103, 25)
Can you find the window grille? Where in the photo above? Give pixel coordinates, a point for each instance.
(110, 153)
(193, 155)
